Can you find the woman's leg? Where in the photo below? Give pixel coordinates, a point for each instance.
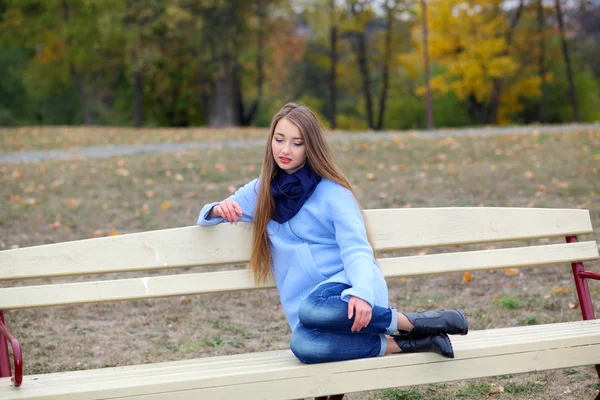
(324, 310)
(314, 346)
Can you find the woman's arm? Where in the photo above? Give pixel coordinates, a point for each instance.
(245, 198)
(355, 250)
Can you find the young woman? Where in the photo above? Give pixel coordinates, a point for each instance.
(309, 232)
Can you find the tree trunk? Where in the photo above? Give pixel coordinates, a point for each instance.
(365, 75)
(333, 58)
(206, 47)
(138, 96)
(236, 91)
(224, 111)
(387, 58)
(565, 50)
(221, 112)
(428, 97)
(543, 115)
(492, 107)
(360, 48)
(77, 78)
(248, 117)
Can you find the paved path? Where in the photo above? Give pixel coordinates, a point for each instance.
(109, 151)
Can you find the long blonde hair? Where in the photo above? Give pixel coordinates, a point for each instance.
(321, 160)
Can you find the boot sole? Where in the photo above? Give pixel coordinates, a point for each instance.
(466, 330)
(449, 343)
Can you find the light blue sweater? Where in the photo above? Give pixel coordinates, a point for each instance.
(324, 242)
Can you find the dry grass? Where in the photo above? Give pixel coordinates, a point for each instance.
(68, 200)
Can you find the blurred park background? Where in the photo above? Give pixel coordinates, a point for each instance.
(360, 64)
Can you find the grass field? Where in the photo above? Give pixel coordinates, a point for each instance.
(68, 200)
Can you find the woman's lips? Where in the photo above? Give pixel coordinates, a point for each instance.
(284, 160)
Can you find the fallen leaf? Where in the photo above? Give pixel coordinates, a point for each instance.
(220, 167)
(511, 272)
(421, 253)
(573, 305)
(365, 147)
(496, 390)
(528, 174)
(371, 176)
(122, 172)
(467, 277)
(560, 289)
(146, 208)
(149, 194)
(179, 177)
(149, 182)
(113, 233)
(383, 196)
(165, 206)
(72, 202)
(55, 225)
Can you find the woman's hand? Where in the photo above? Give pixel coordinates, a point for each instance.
(362, 312)
(229, 210)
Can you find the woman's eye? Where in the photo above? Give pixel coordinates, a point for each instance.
(279, 140)
(297, 144)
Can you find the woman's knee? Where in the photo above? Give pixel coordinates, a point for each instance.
(307, 348)
(315, 313)
(307, 311)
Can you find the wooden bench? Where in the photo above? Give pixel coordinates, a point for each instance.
(278, 374)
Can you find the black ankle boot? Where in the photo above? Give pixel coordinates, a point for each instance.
(452, 322)
(439, 344)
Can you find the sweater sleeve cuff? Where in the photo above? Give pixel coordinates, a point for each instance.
(203, 219)
(363, 293)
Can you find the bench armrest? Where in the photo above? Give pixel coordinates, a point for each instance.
(17, 378)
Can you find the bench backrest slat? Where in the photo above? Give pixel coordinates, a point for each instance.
(211, 282)
(226, 244)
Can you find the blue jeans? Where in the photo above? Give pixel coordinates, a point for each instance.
(323, 334)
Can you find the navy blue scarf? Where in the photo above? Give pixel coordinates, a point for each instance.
(291, 191)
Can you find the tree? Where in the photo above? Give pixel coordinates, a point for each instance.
(362, 13)
(567, 58)
(426, 67)
(543, 114)
(333, 56)
(363, 19)
(484, 58)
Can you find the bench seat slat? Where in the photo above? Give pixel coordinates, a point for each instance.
(217, 367)
(227, 244)
(278, 375)
(212, 282)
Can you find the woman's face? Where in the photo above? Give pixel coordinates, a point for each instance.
(288, 146)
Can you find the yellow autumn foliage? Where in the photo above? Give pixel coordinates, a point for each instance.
(469, 41)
